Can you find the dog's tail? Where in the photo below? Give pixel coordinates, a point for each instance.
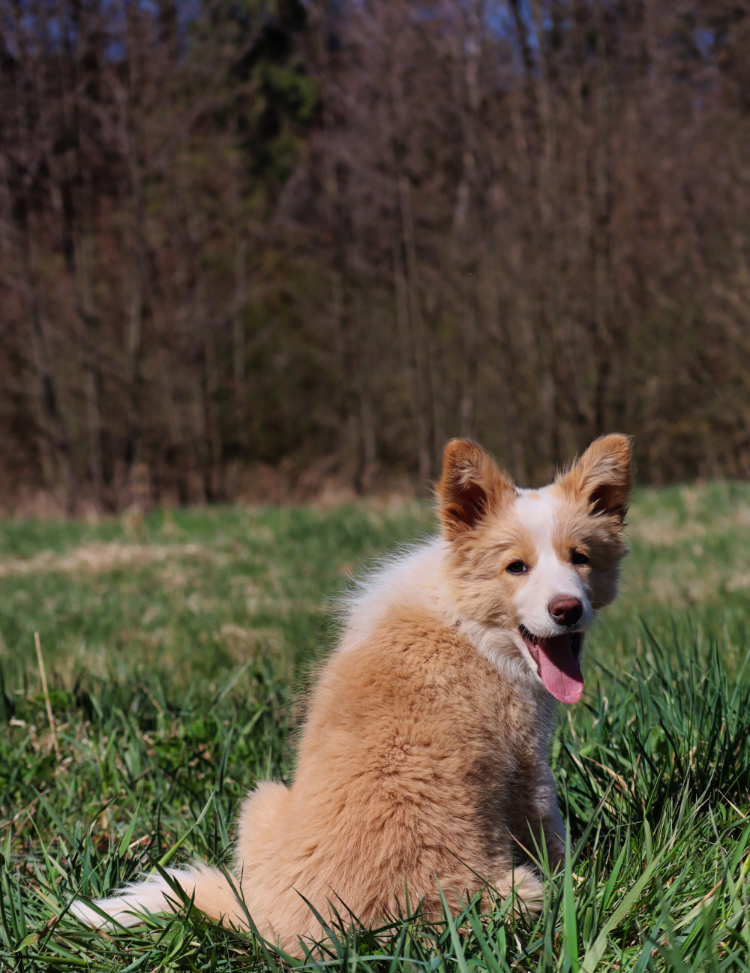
(208, 887)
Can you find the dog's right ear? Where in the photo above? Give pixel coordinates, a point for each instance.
(603, 476)
(471, 486)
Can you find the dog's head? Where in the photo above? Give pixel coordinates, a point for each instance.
(536, 563)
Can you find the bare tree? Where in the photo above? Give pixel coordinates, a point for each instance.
(327, 237)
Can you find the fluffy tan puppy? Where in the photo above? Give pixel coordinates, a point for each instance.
(424, 755)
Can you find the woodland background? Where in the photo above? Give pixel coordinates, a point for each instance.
(253, 248)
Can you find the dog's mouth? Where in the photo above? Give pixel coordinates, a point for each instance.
(557, 663)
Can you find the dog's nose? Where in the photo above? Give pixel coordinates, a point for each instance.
(565, 611)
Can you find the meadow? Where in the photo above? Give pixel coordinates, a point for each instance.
(177, 649)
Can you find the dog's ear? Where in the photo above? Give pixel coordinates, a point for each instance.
(471, 486)
(602, 476)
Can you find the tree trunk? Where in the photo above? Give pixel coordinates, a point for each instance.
(468, 222)
(134, 330)
(52, 425)
(419, 349)
(239, 305)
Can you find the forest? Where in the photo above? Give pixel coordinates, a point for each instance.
(253, 248)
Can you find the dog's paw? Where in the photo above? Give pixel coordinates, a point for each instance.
(556, 851)
(527, 887)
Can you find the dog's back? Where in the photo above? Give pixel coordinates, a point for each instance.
(410, 743)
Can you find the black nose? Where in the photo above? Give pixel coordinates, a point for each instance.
(565, 611)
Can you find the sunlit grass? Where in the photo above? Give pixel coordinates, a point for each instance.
(176, 647)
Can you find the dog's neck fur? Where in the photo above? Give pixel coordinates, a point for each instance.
(414, 578)
(417, 579)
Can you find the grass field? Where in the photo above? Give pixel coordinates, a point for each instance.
(177, 649)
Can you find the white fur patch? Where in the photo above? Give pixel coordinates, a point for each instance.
(135, 902)
(506, 651)
(550, 577)
(412, 579)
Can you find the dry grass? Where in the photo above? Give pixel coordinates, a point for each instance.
(96, 558)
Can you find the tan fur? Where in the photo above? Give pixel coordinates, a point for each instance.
(597, 490)
(423, 760)
(470, 488)
(399, 765)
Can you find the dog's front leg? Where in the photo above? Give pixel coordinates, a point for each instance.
(552, 826)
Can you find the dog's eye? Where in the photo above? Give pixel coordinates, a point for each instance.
(517, 567)
(578, 558)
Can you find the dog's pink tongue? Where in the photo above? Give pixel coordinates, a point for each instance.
(561, 673)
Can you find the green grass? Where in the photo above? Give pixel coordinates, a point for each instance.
(176, 651)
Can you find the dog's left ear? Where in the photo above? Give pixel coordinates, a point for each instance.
(470, 487)
(602, 476)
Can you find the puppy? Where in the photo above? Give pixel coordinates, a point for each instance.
(423, 763)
